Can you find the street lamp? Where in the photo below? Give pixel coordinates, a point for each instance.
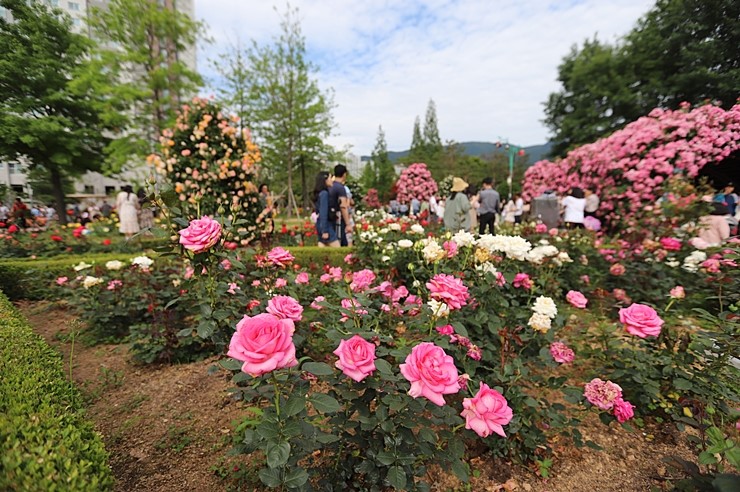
(511, 150)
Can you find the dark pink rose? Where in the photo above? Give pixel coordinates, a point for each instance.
(356, 358)
(201, 235)
(561, 353)
(431, 372)
(671, 243)
(448, 289)
(264, 343)
(641, 320)
(285, 307)
(623, 410)
(280, 257)
(487, 412)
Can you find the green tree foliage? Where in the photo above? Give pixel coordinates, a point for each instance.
(50, 113)
(417, 150)
(143, 44)
(232, 86)
(290, 115)
(681, 50)
(432, 143)
(379, 173)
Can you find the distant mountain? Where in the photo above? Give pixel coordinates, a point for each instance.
(534, 152)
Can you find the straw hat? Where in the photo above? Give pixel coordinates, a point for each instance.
(458, 185)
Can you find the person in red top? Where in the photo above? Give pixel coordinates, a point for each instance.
(19, 212)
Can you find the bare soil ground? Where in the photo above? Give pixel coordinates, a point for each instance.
(169, 428)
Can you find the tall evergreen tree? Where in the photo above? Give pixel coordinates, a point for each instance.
(417, 152)
(432, 142)
(143, 44)
(291, 115)
(50, 113)
(383, 173)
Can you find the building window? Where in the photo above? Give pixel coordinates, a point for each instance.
(14, 168)
(76, 21)
(109, 190)
(89, 190)
(74, 6)
(53, 3)
(2, 166)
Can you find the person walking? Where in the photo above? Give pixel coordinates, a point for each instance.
(127, 204)
(490, 203)
(325, 219)
(19, 213)
(592, 203)
(457, 207)
(339, 203)
(472, 194)
(574, 206)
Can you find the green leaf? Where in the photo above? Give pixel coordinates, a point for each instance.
(593, 445)
(318, 368)
(296, 478)
(221, 314)
(397, 477)
(385, 458)
(725, 482)
(269, 477)
(706, 458)
(682, 384)
(231, 364)
(325, 438)
(268, 430)
(324, 403)
(277, 454)
(460, 469)
(293, 406)
(383, 367)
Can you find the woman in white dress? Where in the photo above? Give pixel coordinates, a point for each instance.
(127, 204)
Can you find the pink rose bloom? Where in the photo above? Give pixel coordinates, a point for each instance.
(348, 259)
(354, 306)
(256, 283)
(413, 300)
(586, 279)
(233, 287)
(591, 223)
(623, 410)
(189, 271)
(621, 296)
(448, 289)
(280, 257)
(486, 412)
(253, 304)
(451, 248)
(602, 394)
(114, 284)
(431, 372)
(641, 320)
(522, 280)
(201, 234)
(500, 279)
(670, 243)
(336, 273)
(280, 283)
(356, 358)
(445, 330)
(474, 352)
(315, 303)
(540, 228)
(617, 269)
(553, 232)
(561, 353)
(264, 343)
(678, 292)
(285, 307)
(61, 280)
(325, 278)
(362, 280)
(226, 264)
(399, 293)
(576, 299)
(301, 278)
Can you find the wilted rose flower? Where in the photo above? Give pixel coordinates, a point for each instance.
(602, 394)
(561, 353)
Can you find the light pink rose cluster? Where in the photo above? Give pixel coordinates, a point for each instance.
(285, 307)
(448, 289)
(356, 358)
(264, 343)
(201, 234)
(641, 320)
(561, 353)
(362, 280)
(487, 412)
(280, 257)
(431, 372)
(576, 299)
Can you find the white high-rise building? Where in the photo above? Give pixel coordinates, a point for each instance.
(13, 175)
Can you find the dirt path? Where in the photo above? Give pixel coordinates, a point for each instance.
(168, 428)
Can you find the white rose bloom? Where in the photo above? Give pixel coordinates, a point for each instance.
(486, 267)
(405, 243)
(463, 238)
(540, 322)
(389, 247)
(417, 229)
(394, 226)
(114, 265)
(142, 261)
(544, 242)
(384, 230)
(439, 309)
(538, 254)
(385, 259)
(176, 282)
(89, 281)
(82, 266)
(672, 263)
(433, 252)
(416, 284)
(546, 306)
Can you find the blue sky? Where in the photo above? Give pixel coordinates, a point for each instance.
(488, 64)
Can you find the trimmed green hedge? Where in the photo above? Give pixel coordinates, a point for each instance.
(45, 443)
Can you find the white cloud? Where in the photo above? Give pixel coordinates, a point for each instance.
(488, 66)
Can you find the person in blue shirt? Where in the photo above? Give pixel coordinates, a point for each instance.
(325, 219)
